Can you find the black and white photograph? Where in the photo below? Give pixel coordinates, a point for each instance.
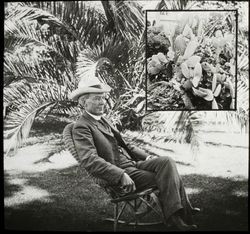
(191, 60)
(125, 116)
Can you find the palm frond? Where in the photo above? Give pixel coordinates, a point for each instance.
(176, 5)
(43, 96)
(19, 94)
(111, 60)
(30, 15)
(21, 29)
(183, 126)
(125, 17)
(231, 121)
(17, 68)
(86, 67)
(36, 67)
(21, 132)
(242, 113)
(79, 18)
(242, 63)
(66, 108)
(112, 48)
(19, 33)
(25, 34)
(135, 67)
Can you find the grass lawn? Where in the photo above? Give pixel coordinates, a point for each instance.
(44, 190)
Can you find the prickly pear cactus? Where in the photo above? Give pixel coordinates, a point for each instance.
(201, 67)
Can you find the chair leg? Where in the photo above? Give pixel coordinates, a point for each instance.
(115, 216)
(135, 212)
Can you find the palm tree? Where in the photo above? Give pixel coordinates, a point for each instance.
(50, 46)
(48, 49)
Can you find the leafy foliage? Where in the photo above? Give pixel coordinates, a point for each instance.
(157, 41)
(50, 45)
(160, 124)
(202, 68)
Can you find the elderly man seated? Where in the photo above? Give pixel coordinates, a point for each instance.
(104, 154)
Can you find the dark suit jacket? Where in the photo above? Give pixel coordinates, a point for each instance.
(97, 148)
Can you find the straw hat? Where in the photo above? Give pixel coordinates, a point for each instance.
(90, 85)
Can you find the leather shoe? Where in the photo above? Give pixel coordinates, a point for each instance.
(181, 225)
(195, 210)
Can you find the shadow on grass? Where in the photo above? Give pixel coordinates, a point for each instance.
(224, 202)
(77, 204)
(10, 189)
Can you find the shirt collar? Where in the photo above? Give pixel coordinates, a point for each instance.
(96, 117)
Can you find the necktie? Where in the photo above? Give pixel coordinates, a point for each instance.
(105, 125)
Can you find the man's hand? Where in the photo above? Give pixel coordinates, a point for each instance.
(127, 183)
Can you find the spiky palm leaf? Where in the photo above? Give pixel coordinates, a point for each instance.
(79, 17)
(30, 104)
(79, 25)
(31, 15)
(176, 5)
(88, 32)
(33, 68)
(111, 48)
(124, 67)
(21, 131)
(125, 17)
(183, 126)
(86, 68)
(21, 30)
(24, 33)
(13, 73)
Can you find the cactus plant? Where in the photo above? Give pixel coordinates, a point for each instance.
(203, 67)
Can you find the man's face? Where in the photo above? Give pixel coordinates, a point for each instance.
(94, 104)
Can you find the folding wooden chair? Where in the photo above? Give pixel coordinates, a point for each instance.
(147, 198)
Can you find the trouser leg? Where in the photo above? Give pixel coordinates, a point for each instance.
(143, 179)
(172, 193)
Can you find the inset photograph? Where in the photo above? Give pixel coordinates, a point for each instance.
(191, 60)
